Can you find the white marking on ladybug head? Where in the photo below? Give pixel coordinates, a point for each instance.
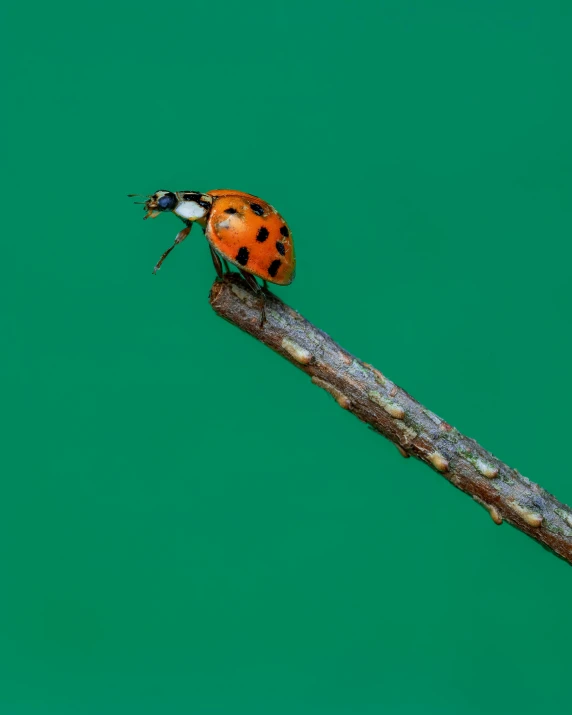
(189, 210)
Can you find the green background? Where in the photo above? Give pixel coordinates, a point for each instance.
(187, 525)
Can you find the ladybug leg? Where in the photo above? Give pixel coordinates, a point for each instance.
(257, 290)
(265, 289)
(178, 239)
(217, 263)
(226, 265)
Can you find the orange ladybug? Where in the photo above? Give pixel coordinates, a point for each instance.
(241, 229)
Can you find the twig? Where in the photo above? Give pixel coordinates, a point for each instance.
(373, 398)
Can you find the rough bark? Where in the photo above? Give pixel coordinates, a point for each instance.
(416, 431)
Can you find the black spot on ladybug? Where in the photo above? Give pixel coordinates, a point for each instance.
(242, 255)
(280, 248)
(257, 208)
(230, 211)
(274, 266)
(262, 234)
(284, 231)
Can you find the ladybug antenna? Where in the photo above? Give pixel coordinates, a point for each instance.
(143, 196)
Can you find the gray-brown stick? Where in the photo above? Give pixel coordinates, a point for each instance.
(415, 430)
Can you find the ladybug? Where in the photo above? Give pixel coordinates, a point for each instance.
(241, 229)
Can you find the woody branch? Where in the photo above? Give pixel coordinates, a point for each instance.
(363, 390)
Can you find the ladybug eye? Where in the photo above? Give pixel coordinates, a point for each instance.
(167, 202)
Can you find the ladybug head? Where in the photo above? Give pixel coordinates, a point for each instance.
(187, 205)
(160, 201)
